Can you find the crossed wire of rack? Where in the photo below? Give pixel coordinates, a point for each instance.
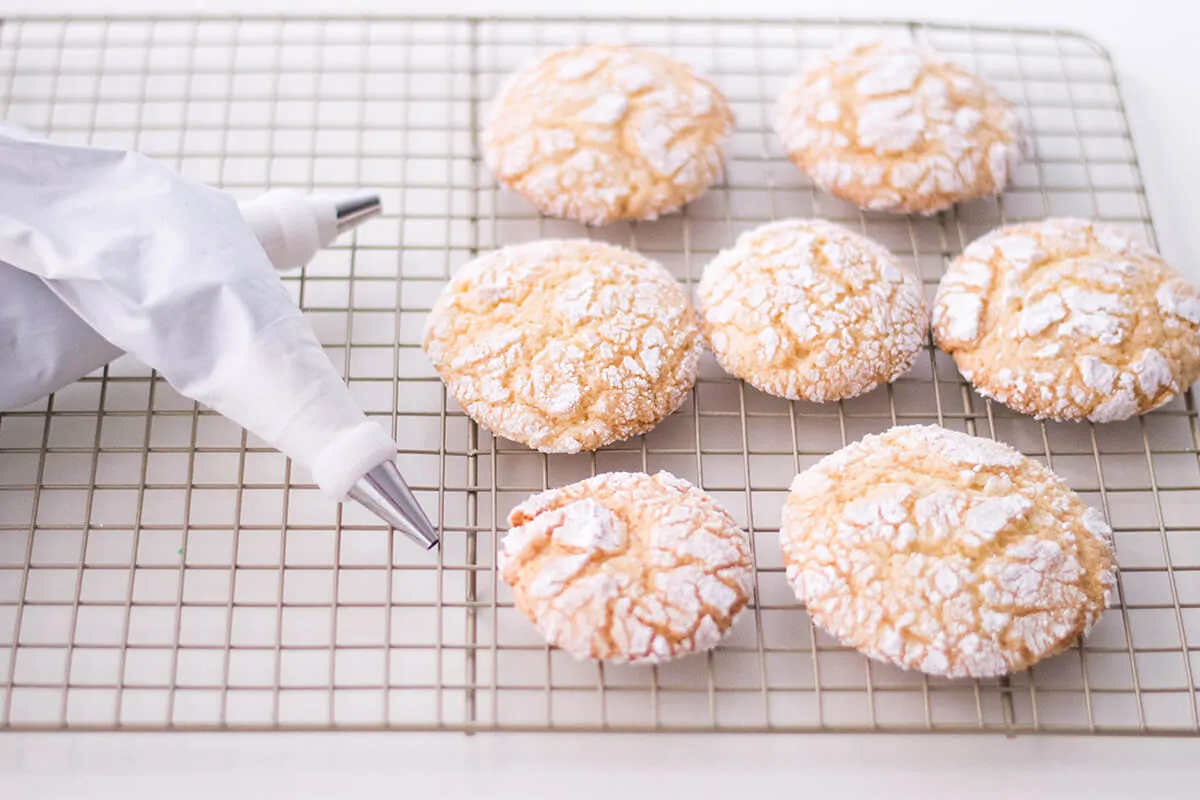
(162, 570)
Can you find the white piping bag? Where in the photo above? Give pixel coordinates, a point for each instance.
(168, 270)
(44, 345)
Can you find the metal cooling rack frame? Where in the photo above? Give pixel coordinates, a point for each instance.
(162, 570)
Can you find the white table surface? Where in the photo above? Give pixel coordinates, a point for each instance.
(1152, 44)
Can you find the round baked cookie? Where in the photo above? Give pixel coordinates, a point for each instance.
(1069, 320)
(564, 345)
(933, 550)
(893, 128)
(808, 310)
(627, 566)
(602, 133)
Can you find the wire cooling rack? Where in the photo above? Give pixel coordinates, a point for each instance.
(161, 569)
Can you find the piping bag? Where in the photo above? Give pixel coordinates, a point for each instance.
(104, 251)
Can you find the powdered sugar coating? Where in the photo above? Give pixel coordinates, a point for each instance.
(627, 567)
(564, 345)
(1070, 320)
(600, 133)
(934, 550)
(806, 309)
(899, 129)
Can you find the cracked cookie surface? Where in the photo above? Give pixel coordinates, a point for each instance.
(564, 345)
(808, 310)
(627, 567)
(938, 551)
(1070, 320)
(602, 133)
(897, 128)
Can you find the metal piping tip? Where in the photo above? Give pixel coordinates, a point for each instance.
(385, 494)
(353, 209)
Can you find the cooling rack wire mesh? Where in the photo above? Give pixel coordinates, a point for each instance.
(161, 569)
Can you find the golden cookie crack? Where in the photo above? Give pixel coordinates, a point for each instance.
(564, 345)
(933, 550)
(809, 310)
(1069, 320)
(681, 578)
(634, 135)
(898, 128)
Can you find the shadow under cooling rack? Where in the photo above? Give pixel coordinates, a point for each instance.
(160, 569)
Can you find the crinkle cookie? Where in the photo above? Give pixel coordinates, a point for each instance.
(628, 567)
(937, 551)
(564, 345)
(900, 129)
(1069, 320)
(808, 310)
(602, 133)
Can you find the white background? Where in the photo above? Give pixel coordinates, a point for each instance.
(1157, 58)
